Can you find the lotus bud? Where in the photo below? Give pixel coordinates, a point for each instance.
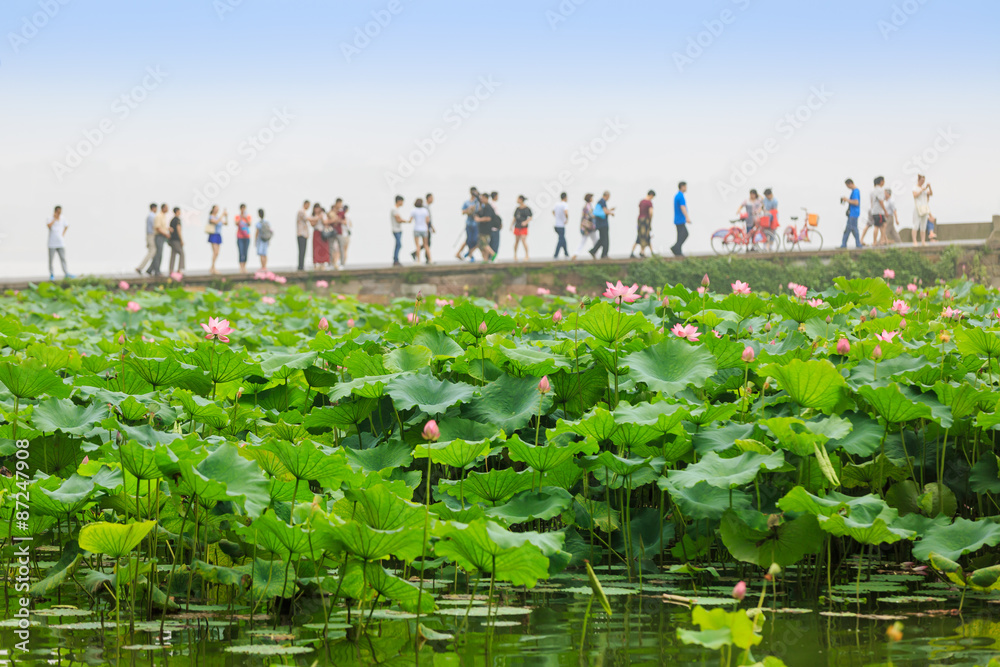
(482, 328)
(557, 317)
(843, 346)
(902, 324)
(324, 324)
(86, 459)
(873, 314)
(877, 353)
(239, 393)
(701, 291)
(431, 431)
(749, 329)
(544, 386)
(774, 570)
(947, 294)
(350, 323)
(666, 302)
(121, 339)
(829, 319)
(740, 591)
(748, 354)
(768, 327)
(420, 296)
(705, 282)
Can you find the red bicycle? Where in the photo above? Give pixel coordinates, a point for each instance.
(735, 239)
(806, 239)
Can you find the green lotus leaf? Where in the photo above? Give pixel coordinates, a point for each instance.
(720, 628)
(959, 538)
(386, 584)
(543, 504)
(441, 345)
(870, 291)
(138, 460)
(725, 473)
(406, 359)
(454, 453)
(704, 501)
(543, 457)
(881, 529)
(494, 487)
(389, 455)
(201, 409)
(370, 544)
(591, 514)
(605, 323)
(31, 379)
(269, 579)
(485, 547)
(223, 364)
(382, 509)
(508, 403)
(113, 539)
(578, 392)
(275, 536)
(720, 439)
(217, 574)
(980, 342)
(469, 317)
(752, 539)
(59, 573)
(280, 366)
(305, 460)
(671, 365)
(161, 372)
(985, 474)
(56, 414)
(341, 415)
(424, 391)
(815, 383)
(225, 475)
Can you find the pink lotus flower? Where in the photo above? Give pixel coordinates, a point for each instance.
(85, 461)
(622, 293)
(646, 289)
(557, 317)
(701, 291)
(888, 274)
(544, 386)
(716, 333)
(947, 294)
(799, 290)
(911, 288)
(177, 276)
(281, 280)
(440, 303)
(688, 331)
(952, 313)
(218, 329)
(887, 336)
(815, 303)
(740, 591)
(571, 289)
(740, 287)
(431, 431)
(133, 307)
(322, 284)
(324, 324)
(900, 307)
(482, 328)
(748, 354)
(123, 285)
(543, 292)
(412, 318)
(267, 300)
(705, 282)
(843, 346)
(899, 290)
(877, 353)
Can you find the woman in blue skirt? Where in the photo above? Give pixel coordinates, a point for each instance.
(215, 237)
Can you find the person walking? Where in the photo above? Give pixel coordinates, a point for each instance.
(644, 226)
(753, 206)
(302, 223)
(396, 221)
(890, 232)
(57, 243)
(334, 231)
(602, 215)
(522, 218)
(497, 225)
(487, 220)
(346, 233)
(421, 218)
(176, 243)
(681, 219)
(469, 210)
(161, 228)
(876, 213)
(214, 229)
(921, 210)
(321, 249)
(262, 238)
(147, 261)
(561, 214)
(588, 231)
(853, 202)
(428, 200)
(243, 236)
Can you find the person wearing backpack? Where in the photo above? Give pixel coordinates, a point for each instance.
(262, 238)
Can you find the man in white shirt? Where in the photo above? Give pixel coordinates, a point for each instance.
(57, 246)
(876, 214)
(396, 221)
(561, 214)
(147, 261)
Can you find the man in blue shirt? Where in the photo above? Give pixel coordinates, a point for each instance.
(469, 209)
(853, 213)
(601, 214)
(681, 219)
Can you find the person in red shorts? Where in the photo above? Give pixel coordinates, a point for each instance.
(522, 217)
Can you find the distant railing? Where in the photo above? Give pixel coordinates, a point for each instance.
(962, 231)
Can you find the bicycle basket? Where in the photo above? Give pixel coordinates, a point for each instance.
(813, 220)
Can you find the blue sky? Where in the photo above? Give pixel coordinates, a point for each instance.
(893, 78)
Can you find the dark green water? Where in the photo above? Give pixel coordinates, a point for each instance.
(546, 627)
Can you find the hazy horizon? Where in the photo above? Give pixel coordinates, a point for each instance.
(726, 95)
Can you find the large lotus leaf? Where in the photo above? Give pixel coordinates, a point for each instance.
(618, 465)
(113, 539)
(58, 573)
(389, 455)
(871, 372)
(138, 460)
(543, 504)
(980, 342)
(370, 544)
(386, 584)
(720, 439)
(493, 487)
(454, 453)
(815, 383)
(240, 480)
(269, 579)
(454, 428)
(963, 399)
(58, 414)
(800, 500)
(408, 358)
(578, 392)
(794, 435)
(565, 476)
(469, 317)
(864, 438)
(882, 529)
(872, 474)
(870, 291)
(441, 345)
(598, 424)
(543, 457)
(720, 628)
(426, 392)
(279, 365)
(305, 460)
(223, 364)
(890, 403)
(752, 539)
(671, 365)
(382, 509)
(370, 386)
(707, 414)
(605, 323)
(662, 416)
(704, 501)
(218, 574)
(985, 475)
(161, 372)
(55, 358)
(275, 536)
(201, 409)
(744, 306)
(342, 415)
(725, 473)
(961, 537)
(55, 497)
(31, 379)
(509, 403)
(475, 548)
(595, 514)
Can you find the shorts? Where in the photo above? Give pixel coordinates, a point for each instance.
(520, 231)
(484, 242)
(215, 239)
(419, 235)
(878, 220)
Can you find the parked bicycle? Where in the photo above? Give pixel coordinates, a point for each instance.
(804, 239)
(737, 239)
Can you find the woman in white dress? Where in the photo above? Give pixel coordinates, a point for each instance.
(921, 210)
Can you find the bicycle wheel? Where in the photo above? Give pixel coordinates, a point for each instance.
(811, 242)
(723, 242)
(791, 241)
(772, 242)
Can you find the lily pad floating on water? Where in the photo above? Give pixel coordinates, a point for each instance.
(910, 599)
(608, 590)
(266, 649)
(61, 612)
(483, 611)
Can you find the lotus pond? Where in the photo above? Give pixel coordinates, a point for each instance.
(708, 476)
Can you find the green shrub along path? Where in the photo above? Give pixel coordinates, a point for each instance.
(171, 451)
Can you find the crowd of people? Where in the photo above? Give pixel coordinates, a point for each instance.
(331, 229)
